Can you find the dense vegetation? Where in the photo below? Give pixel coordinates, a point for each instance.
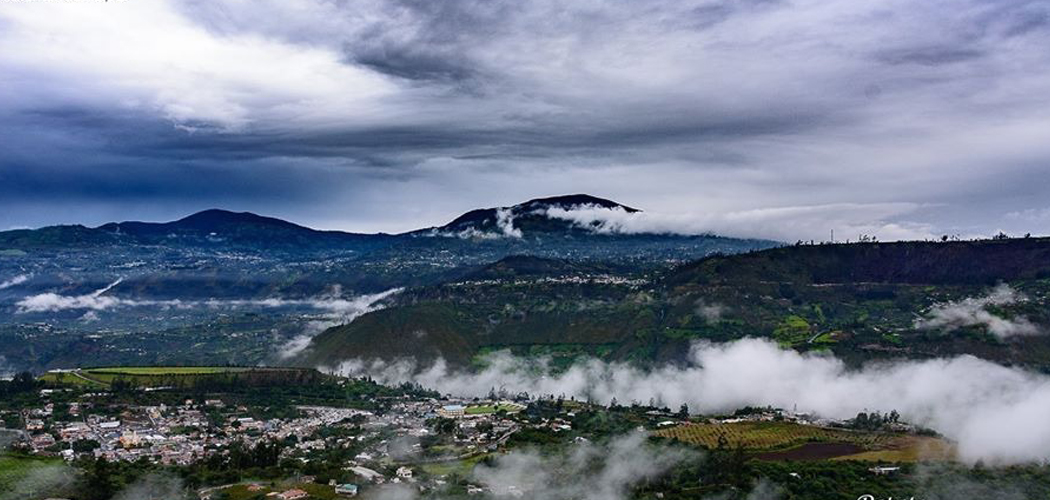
(861, 301)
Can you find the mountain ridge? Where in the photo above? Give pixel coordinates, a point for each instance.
(863, 301)
(215, 226)
(529, 217)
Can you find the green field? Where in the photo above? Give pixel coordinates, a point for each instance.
(27, 477)
(179, 376)
(486, 409)
(69, 379)
(166, 370)
(461, 467)
(242, 491)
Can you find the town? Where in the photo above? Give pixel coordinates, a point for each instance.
(361, 436)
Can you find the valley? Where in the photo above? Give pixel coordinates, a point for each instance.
(233, 356)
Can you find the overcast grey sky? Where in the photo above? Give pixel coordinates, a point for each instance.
(782, 119)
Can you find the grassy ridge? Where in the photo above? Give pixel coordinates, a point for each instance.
(982, 262)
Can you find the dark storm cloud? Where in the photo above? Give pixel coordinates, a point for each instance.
(429, 40)
(347, 113)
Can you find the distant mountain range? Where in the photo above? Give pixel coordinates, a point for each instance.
(215, 228)
(217, 253)
(525, 277)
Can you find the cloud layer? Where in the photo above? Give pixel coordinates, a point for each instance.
(334, 304)
(14, 281)
(588, 472)
(340, 311)
(994, 412)
(974, 312)
(827, 114)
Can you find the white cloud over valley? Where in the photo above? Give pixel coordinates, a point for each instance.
(975, 311)
(995, 413)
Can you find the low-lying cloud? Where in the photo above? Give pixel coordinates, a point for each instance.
(6, 369)
(333, 303)
(588, 472)
(38, 481)
(995, 413)
(340, 311)
(334, 307)
(17, 280)
(849, 220)
(504, 228)
(712, 312)
(153, 486)
(97, 300)
(974, 311)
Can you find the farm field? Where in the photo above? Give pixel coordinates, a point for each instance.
(181, 376)
(769, 435)
(265, 490)
(166, 370)
(908, 449)
(486, 409)
(790, 441)
(462, 467)
(25, 477)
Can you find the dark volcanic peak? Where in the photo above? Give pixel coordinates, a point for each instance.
(530, 216)
(244, 229)
(210, 220)
(206, 221)
(575, 200)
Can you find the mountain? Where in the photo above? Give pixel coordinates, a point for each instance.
(379, 261)
(211, 228)
(215, 228)
(218, 227)
(238, 255)
(529, 218)
(861, 301)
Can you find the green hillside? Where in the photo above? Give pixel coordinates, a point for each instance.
(860, 301)
(947, 263)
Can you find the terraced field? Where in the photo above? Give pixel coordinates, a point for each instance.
(790, 441)
(770, 435)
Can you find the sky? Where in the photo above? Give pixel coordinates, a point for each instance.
(767, 118)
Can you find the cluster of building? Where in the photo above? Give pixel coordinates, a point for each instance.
(387, 444)
(596, 279)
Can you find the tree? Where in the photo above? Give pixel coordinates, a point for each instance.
(443, 426)
(683, 411)
(85, 445)
(100, 482)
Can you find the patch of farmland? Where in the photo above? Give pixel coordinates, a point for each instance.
(769, 435)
